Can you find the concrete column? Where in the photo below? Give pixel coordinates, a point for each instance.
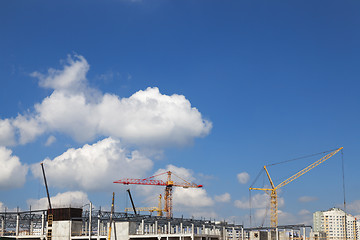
(90, 219)
(70, 229)
(292, 234)
(86, 228)
(242, 233)
(17, 224)
(42, 224)
(165, 229)
(304, 233)
(181, 228)
(277, 234)
(192, 231)
(142, 226)
(31, 230)
(169, 227)
(98, 227)
(156, 227)
(2, 226)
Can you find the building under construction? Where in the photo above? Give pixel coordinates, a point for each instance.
(79, 224)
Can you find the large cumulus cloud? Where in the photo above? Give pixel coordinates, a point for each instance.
(147, 117)
(94, 167)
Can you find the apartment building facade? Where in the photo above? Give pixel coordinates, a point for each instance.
(336, 224)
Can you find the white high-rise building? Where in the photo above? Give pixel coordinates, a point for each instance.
(333, 222)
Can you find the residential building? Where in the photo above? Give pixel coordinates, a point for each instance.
(336, 224)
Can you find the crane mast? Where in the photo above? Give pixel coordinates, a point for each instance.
(273, 190)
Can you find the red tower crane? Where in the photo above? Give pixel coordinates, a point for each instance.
(168, 187)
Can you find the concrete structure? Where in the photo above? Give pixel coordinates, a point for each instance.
(318, 236)
(76, 224)
(70, 223)
(335, 224)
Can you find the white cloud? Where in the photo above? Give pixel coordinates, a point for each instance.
(51, 139)
(71, 78)
(191, 197)
(12, 172)
(307, 199)
(302, 217)
(243, 177)
(94, 167)
(354, 206)
(257, 201)
(67, 199)
(188, 197)
(146, 118)
(29, 128)
(304, 212)
(149, 117)
(223, 198)
(7, 135)
(184, 173)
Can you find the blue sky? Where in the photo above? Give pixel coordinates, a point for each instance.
(208, 89)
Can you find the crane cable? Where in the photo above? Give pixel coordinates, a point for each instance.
(250, 206)
(294, 159)
(343, 178)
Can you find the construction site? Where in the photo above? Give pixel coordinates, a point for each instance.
(74, 223)
(79, 223)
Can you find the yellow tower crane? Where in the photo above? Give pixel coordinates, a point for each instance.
(273, 190)
(158, 209)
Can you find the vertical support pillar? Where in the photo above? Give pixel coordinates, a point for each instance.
(292, 234)
(17, 224)
(277, 233)
(142, 226)
(86, 228)
(192, 231)
(304, 233)
(70, 228)
(233, 233)
(31, 230)
(2, 226)
(90, 219)
(169, 227)
(156, 228)
(42, 224)
(242, 233)
(98, 227)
